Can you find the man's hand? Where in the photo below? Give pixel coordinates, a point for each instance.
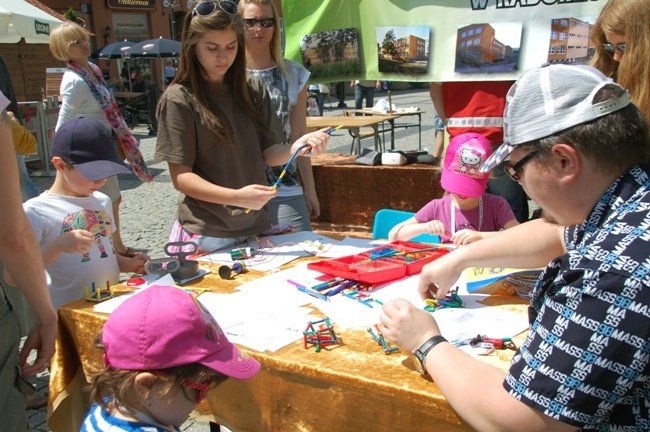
(41, 338)
(440, 275)
(406, 325)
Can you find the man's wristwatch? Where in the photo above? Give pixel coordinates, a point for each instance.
(420, 354)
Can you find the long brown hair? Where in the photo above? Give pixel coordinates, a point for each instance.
(627, 18)
(190, 73)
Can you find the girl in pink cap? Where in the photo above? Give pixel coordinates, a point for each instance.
(466, 213)
(163, 352)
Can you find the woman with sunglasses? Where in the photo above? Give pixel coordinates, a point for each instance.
(285, 81)
(217, 131)
(622, 39)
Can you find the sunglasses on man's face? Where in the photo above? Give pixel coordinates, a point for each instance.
(611, 47)
(514, 171)
(207, 8)
(264, 22)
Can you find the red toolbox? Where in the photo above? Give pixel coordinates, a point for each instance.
(392, 261)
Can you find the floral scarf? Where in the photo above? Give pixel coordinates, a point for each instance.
(114, 117)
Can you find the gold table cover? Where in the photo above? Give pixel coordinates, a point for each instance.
(350, 387)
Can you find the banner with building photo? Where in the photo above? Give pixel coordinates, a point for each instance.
(436, 40)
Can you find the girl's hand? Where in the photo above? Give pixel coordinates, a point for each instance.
(466, 236)
(317, 140)
(434, 227)
(255, 197)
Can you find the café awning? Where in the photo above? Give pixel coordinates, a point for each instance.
(19, 19)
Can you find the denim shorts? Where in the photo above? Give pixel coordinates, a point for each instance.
(438, 124)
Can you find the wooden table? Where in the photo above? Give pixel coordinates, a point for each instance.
(350, 387)
(134, 101)
(125, 99)
(397, 114)
(353, 123)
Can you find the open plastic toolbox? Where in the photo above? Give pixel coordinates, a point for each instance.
(389, 262)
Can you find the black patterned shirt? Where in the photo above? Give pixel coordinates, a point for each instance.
(586, 359)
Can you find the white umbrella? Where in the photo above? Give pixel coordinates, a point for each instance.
(19, 19)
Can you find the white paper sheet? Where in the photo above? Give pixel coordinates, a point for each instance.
(272, 252)
(109, 306)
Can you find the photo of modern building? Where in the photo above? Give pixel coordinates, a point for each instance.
(403, 49)
(570, 41)
(331, 53)
(487, 47)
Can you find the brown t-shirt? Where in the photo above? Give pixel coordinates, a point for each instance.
(184, 139)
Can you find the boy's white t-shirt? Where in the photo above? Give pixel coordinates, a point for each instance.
(52, 216)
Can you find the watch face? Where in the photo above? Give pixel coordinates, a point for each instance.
(417, 363)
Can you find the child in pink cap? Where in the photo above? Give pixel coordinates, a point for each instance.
(163, 352)
(466, 213)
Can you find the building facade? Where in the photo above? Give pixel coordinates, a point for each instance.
(569, 41)
(477, 44)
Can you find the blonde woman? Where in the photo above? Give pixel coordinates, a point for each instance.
(85, 93)
(622, 39)
(285, 82)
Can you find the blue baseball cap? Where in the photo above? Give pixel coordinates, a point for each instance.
(88, 146)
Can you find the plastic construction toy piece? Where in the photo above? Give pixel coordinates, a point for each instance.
(381, 341)
(452, 300)
(196, 291)
(363, 298)
(98, 295)
(320, 334)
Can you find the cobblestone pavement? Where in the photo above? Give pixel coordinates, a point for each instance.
(148, 210)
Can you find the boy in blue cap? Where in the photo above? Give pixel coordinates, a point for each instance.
(73, 222)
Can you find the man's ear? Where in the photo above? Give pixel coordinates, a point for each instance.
(566, 162)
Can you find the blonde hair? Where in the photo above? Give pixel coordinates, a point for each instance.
(63, 36)
(627, 18)
(276, 39)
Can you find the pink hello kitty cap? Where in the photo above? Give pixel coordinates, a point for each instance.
(163, 327)
(464, 157)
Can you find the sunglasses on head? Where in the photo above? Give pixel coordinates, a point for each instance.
(611, 47)
(264, 22)
(207, 8)
(78, 41)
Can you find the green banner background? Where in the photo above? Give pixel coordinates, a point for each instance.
(444, 17)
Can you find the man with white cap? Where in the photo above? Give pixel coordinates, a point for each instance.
(581, 150)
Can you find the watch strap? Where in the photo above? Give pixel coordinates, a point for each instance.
(421, 353)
